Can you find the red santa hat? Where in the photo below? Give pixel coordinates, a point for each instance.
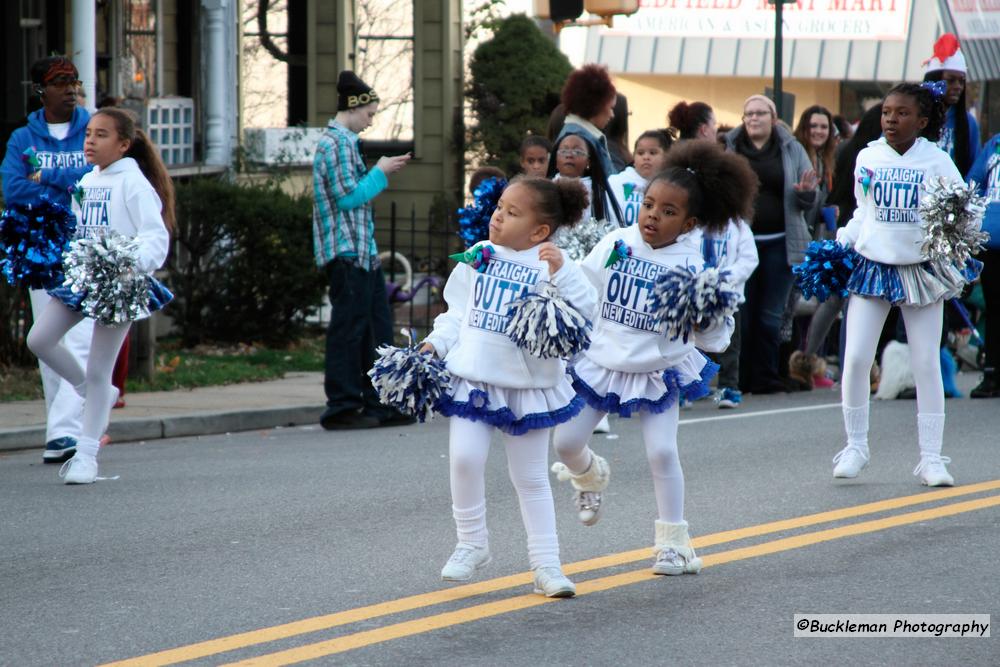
(947, 55)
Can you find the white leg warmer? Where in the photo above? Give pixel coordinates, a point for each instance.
(527, 461)
(856, 425)
(930, 434)
(659, 431)
(595, 478)
(675, 536)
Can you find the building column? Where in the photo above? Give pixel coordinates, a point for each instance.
(217, 145)
(85, 46)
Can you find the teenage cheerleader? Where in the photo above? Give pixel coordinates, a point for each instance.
(130, 193)
(887, 231)
(632, 365)
(628, 186)
(499, 386)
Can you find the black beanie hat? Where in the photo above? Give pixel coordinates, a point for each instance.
(352, 92)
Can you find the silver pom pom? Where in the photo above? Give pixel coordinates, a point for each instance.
(581, 238)
(952, 213)
(104, 271)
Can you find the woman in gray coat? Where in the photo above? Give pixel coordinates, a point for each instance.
(786, 196)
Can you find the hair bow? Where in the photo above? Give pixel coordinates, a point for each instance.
(477, 257)
(619, 252)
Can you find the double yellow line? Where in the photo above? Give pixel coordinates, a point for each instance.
(518, 602)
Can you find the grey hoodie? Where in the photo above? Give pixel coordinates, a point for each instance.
(795, 162)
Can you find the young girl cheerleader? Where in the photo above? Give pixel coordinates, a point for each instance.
(130, 193)
(496, 385)
(887, 231)
(628, 186)
(632, 365)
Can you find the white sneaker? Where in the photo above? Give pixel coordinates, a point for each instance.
(79, 470)
(933, 472)
(588, 506)
(465, 560)
(671, 562)
(552, 583)
(603, 426)
(850, 461)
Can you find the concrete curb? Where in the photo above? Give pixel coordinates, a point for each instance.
(155, 428)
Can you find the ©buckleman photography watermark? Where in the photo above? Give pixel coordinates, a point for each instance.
(892, 625)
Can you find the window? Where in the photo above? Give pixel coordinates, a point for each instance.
(139, 41)
(383, 58)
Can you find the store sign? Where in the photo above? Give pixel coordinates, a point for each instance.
(803, 19)
(976, 19)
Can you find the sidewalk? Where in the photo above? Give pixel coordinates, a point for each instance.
(295, 399)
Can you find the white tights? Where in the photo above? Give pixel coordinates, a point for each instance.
(528, 465)
(46, 340)
(659, 432)
(865, 317)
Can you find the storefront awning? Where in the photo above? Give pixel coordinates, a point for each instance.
(852, 40)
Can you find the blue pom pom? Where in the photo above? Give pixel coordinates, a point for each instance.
(686, 300)
(474, 221)
(546, 326)
(826, 270)
(409, 381)
(33, 239)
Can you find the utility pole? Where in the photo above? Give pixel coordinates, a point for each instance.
(778, 59)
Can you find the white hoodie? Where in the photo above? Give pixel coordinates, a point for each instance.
(120, 199)
(886, 226)
(628, 187)
(470, 335)
(624, 337)
(732, 250)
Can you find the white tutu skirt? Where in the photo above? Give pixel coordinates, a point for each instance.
(624, 393)
(513, 411)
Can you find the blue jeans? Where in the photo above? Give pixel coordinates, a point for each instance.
(360, 321)
(766, 297)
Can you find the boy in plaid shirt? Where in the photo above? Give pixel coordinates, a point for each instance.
(344, 240)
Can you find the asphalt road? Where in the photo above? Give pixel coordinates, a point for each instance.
(294, 545)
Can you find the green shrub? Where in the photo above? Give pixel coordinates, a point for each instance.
(517, 77)
(242, 267)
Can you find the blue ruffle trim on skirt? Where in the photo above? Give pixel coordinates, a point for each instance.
(477, 409)
(612, 403)
(911, 284)
(159, 295)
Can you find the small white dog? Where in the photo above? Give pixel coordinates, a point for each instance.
(896, 372)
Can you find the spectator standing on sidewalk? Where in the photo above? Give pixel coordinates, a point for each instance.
(985, 173)
(787, 193)
(56, 133)
(344, 240)
(960, 134)
(815, 132)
